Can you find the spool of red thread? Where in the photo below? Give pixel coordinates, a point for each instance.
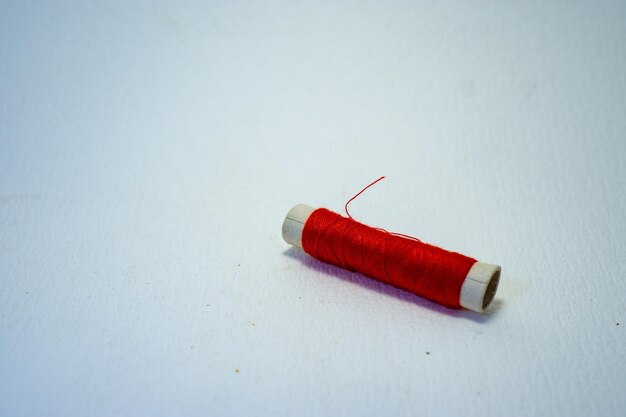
(448, 278)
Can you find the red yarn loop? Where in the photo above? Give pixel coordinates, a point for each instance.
(358, 194)
(395, 259)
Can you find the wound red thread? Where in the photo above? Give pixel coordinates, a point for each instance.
(402, 261)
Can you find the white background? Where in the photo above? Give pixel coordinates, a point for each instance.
(149, 152)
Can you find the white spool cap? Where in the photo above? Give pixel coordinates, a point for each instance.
(478, 289)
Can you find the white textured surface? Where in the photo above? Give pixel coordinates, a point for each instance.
(149, 152)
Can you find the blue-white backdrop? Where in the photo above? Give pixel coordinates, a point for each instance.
(149, 151)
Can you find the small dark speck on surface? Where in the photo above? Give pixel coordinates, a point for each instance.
(239, 264)
(237, 370)
(428, 353)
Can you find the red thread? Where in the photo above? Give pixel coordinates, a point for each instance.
(399, 260)
(358, 194)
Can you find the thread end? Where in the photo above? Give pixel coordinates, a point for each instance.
(480, 286)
